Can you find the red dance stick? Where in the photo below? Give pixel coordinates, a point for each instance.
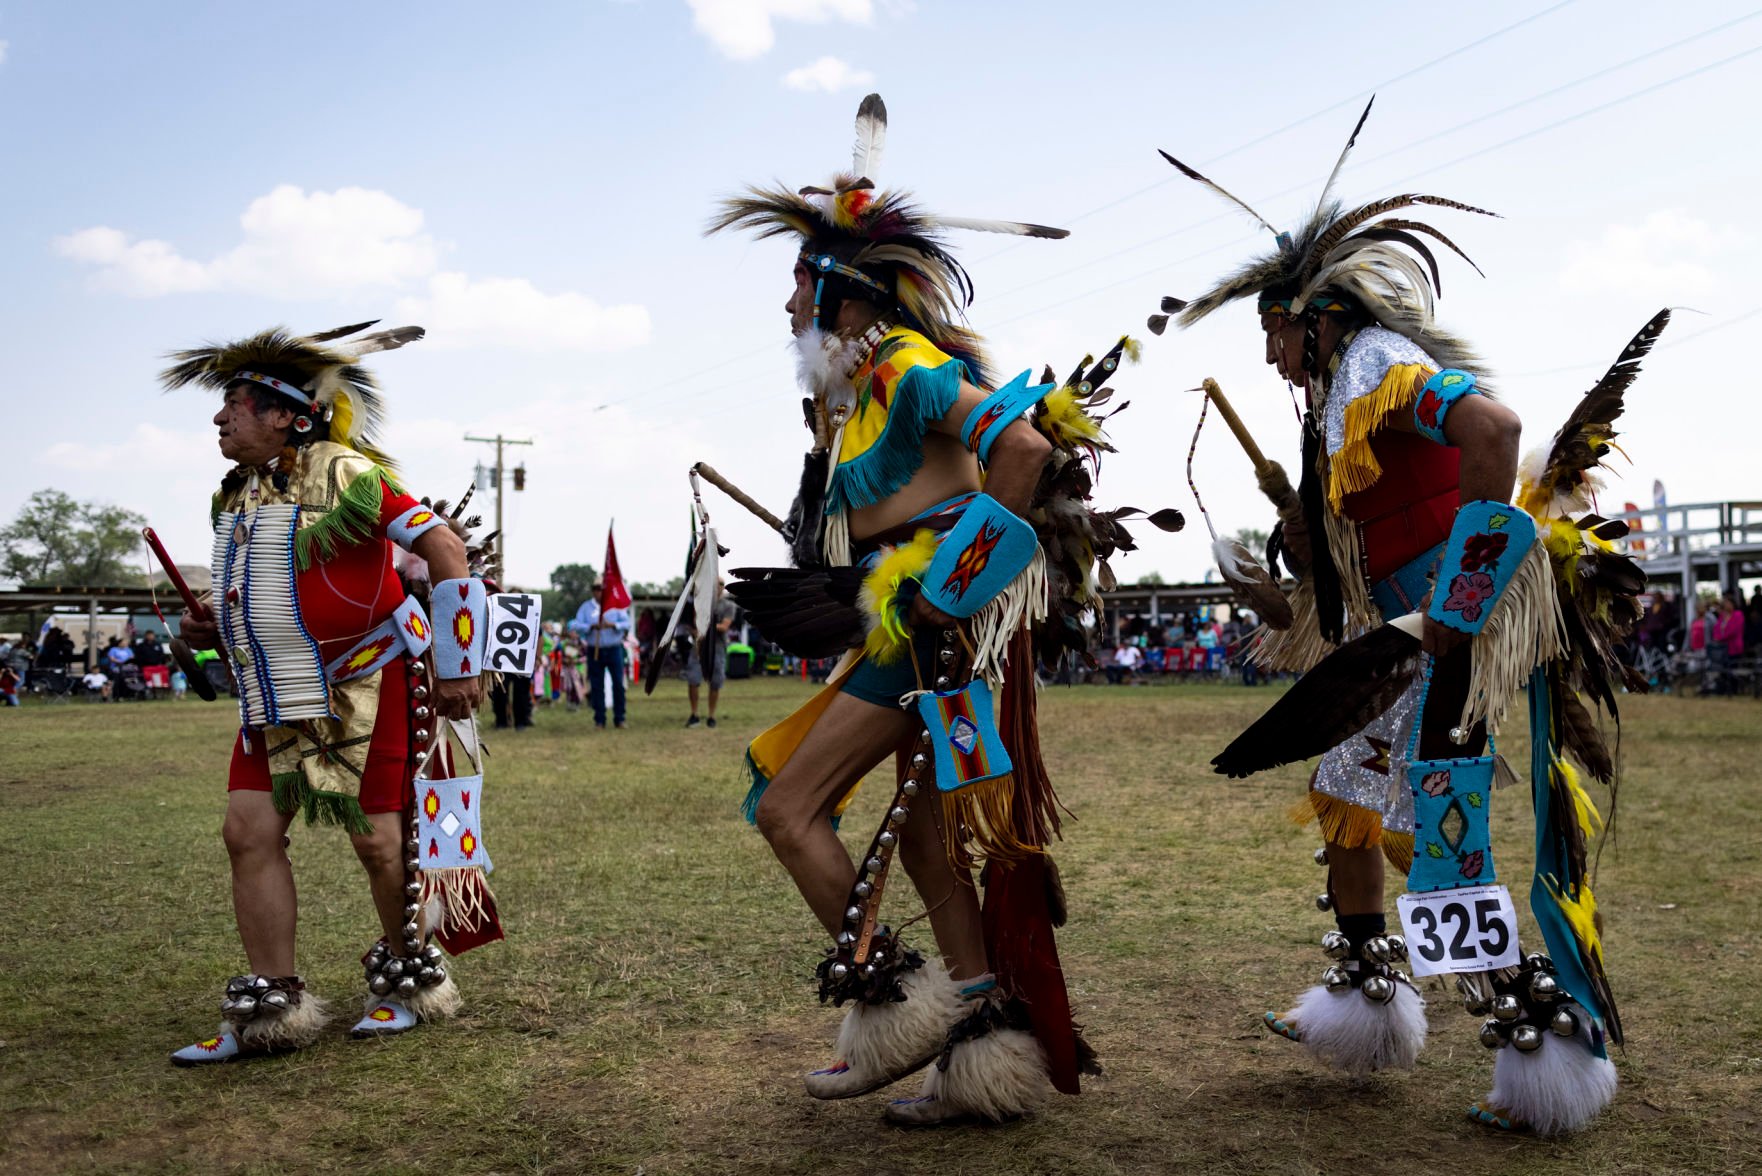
(196, 607)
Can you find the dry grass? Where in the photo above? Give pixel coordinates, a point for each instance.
(652, 1009)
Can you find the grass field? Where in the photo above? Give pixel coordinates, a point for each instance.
(652, 1008)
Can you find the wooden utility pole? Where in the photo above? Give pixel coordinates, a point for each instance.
(501, 536)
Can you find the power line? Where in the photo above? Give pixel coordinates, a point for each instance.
(1310, 117)
(1664, 346)
(1401, 150)
(1191, 226)
(1557, 123)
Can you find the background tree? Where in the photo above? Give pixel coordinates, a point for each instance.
(570, 585)
(1254, 539)
(57, 540)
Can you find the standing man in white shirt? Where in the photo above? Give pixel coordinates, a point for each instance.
(603, 637)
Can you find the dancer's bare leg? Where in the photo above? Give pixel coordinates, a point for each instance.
(382, 855)
(850, 738)
(262, 880)
(947, 893)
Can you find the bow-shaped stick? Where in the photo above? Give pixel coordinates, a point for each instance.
(1251, 583)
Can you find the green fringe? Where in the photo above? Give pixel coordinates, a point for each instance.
(290, 793)
(349, 522)
(749, 808)
(214, 505)
(334, 808)
(921, 396)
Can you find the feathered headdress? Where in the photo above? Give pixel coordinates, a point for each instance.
(318, 374)
(1343, 259)
(876, 245)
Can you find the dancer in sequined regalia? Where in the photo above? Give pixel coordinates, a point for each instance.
(1406, 514)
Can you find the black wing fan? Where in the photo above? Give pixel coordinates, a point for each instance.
(1330, 704)
(809, 612)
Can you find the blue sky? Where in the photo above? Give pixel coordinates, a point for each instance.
(530, 182)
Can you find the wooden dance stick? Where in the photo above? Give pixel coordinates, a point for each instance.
(197, 609)
(740, 496)
(180, 649)
(1271, 475)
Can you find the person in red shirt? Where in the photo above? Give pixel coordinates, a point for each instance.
(329, 651)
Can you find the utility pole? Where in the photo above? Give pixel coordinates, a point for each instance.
(501, 536)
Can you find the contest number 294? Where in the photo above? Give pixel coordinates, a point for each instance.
(513, 633)
(1469, 930)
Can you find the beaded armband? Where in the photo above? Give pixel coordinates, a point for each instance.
(979, 558)
(1440, 393)
(1487, 545)
(998, 411)
(413, 523)
(460, 609)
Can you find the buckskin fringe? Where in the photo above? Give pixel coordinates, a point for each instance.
(1525, 630)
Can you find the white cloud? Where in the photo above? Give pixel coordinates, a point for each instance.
(828, 74)
(299, 244)
(296, 244)
(742, 29)
(511, 312)
(170, 449)
(1667, 253)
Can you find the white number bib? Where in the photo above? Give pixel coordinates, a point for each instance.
(1469, 930)
(513, 633)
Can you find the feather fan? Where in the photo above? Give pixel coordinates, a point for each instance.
(1331, 703)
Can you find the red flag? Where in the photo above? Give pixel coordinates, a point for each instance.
(613, 593)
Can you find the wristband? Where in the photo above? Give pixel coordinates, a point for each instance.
(1487, 545)
(1440, 393)
(998, 411)
(407, 527)
(460, 609)
(979, 558)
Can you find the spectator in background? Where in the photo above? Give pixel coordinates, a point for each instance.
(1753, 620)
(117, 655)
(711, 657)
(604, 639)
(9, 681)
(96, 682)
(1126, 660)
(1731, 627)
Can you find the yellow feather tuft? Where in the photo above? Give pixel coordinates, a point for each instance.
(1584, 808)
(1064, 422)
(1133, 349)
(1580, 913)
(889, 637)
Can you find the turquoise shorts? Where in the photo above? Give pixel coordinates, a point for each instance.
(886, 685)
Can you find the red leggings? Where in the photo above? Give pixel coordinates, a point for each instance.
(388, 756)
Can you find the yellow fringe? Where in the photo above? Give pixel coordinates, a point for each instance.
(1355, 828)
(1340, 823)
(889, 637)
(977, 823)
(1354, 467)
(1398, 850)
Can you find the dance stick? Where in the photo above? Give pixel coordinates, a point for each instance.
(180, 649)
(740, 496)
